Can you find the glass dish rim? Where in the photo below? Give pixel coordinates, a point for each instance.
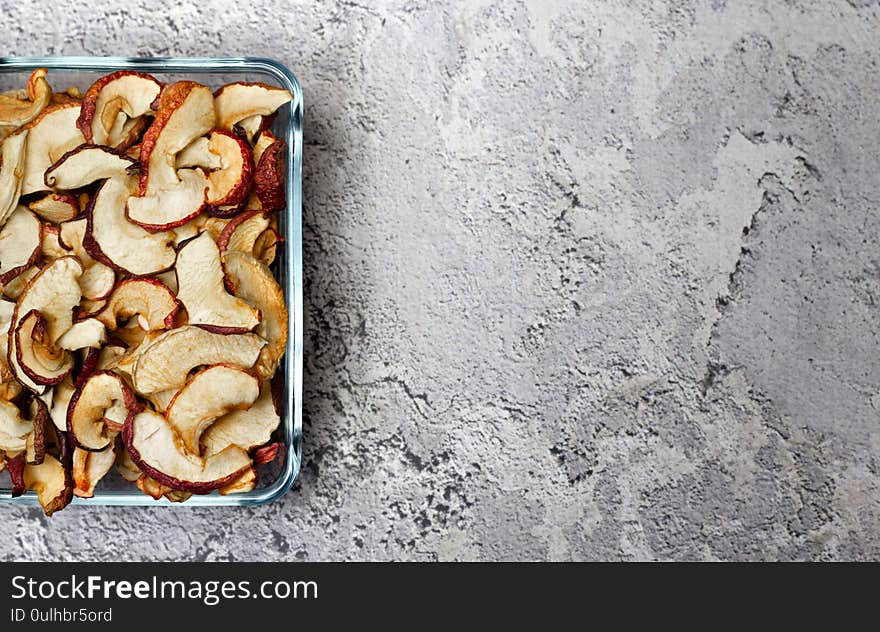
(291, 402)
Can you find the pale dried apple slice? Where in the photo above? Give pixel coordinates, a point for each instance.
(98, 410)
(164, 363)
(88, 333)
(86, 164)
(16, 286)
(14, 429)
(252, 281)
(247, 429)
(159, 453)
(118, 243)
(97, 282)
(201, 290)
(172, 207)
(52, 134)
(12, 167)
(61, 396)
(20, 243)
(150, 300)
(89, 468)
(127, 468)
(211, 393)
(50, 245)
(242, 232)
(7, 310)
(236, 102)
(56, 207)
(198, 154)
(42, 362)
(230, 184)
(247, 482)
(266, 246)
(115, 104)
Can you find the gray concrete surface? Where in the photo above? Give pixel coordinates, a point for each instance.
(586, 280)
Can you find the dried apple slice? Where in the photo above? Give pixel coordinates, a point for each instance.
(97, 281)
(266, 246)
(118, 243)
(88, 333)
(98, 409)
(12, 167)
(56, 207)
(269, 177)
(52, 482)
(243, 484)
(230, 184)
(85, 164)
(89, 468)
(211, 393)
(14, 429)
(61, 396)
(164, 363)
(35, 451)
(172, 207)
(242, 232)
(247, 429)
(149, 299)
(20, 243)
(52, 134)
(15, 112)
(115, 104)
(253, 282)
(200, 289)
(198, 154)
(235, 102)
(159, 453)
(16, 286)
(7, 310)
(50, 244)
(41, 361)
(127, 468)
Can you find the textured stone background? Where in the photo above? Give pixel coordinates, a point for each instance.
(584, 280)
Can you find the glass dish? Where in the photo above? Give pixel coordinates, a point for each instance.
(82, 72)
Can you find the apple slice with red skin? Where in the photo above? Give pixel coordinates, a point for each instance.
(15, 466)
(266, 246)
(208, 395)
(97, 281)
(263, 143)
(20, 243)
(159, 453)
(118, 243)
(269, 177)
(42, 362)
(14, 429)
(52, 482)
(98, 410)
(252, 281)
(165, 362)
(242, 232)
(201, 291)
(173, 207)
(61, 396)
(56, 207)
(236, 102)
(148, 299)
(89, 468)
(245, 483)
(230, 184)
(247, 429)
(50, 244)
(15, 112)
(86, 164)
(198, 154)
(269, 452)
(35, 450)
(12, 168)
(115, 105)
(52, 134)
(16, 286)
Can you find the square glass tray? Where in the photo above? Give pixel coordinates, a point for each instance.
(275, 479)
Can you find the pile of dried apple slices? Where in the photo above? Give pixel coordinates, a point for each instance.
(140, 323)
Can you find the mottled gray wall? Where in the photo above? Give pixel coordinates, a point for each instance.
(584, 280)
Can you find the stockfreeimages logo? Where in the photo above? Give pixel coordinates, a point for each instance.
(208, 592)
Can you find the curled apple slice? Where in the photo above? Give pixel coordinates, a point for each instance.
(14, 429)
(200, 289)
(198, 154)
(98, 409)
(269, 177)
(52, 483)
(16, 286)
(211, 393)
(247, 429)
(89, 468)
(118, 243)
(148, 299)
(85, 164)
(97, 281)
(230, 184)
(41, 361)
(15, 112)
(159, 453)
(56, 207)
(12, 162)
(20, 243)
(235, 102)
(50, 244)
(172, 207)
(242, 232)
(253, 282)
(164, 363)
(61, 396)
(114, 105)
(85, 334)
(52, 134)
